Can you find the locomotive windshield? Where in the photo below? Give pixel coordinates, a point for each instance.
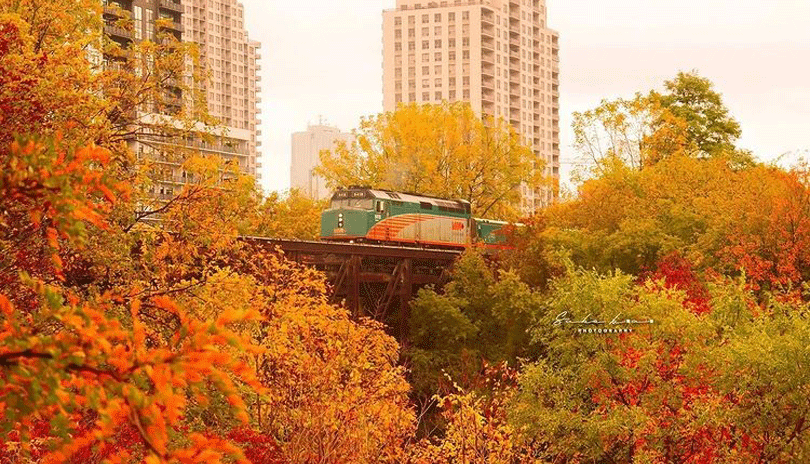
(354, 203)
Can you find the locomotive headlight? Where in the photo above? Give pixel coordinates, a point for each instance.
(340, 220)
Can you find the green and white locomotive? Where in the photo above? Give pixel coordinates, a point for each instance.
(359, 214)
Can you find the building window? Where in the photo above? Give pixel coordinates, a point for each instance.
(398, 72)
(149, 19)
(437, 17)
(425, 44)
(438, 96)
(451, 43)
(398, 86)
(425, 96)
(437, 30)
(437, 56)
(412, 84)
(451, 56)
(398, 34)
(466, 80)
(438, 43)
(138, 23)
(425, 18)
(411, 71)
(466, 94)
(425, 31)
(438, 69)
(411, 19)
(425, 82)
(411, 32)
(398, 21)
(452, 82)
(437, 82)
(451, 16)
(426, 70)
(465, 42)
(452, 95)
(465, 55)
(398, 47)
(451, 30)
(425, 56)
(399, 98)
(465, 15)
(411, 46)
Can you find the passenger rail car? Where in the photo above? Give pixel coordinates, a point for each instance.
(382, 216)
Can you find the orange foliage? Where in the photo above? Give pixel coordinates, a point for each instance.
(65, 355)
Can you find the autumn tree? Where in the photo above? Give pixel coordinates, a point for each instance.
(688, 119)
(124, 338)
(291, 215)
(335, 391)
(444, 150)
(477, 428)
(674, 390)
(68, 353)
(721, 218)
(623, 130)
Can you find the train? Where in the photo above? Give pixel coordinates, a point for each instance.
(368, 215)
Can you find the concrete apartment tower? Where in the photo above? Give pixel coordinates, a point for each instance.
(306, 149)
(227, 55)
(231, 59)
(498, 55)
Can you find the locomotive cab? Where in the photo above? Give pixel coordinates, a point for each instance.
(350, 214)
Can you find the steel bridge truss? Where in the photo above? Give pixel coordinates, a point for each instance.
(372, 280)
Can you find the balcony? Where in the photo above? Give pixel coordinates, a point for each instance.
(172, 25)
(114, 10)
(171, 5)
(116, 31)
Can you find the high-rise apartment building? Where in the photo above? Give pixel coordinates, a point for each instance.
(498, 55)
(229, 59)
(306, 150)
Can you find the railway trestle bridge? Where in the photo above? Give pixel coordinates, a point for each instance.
(374, 281)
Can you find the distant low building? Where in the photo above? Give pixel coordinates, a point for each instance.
(306, 149)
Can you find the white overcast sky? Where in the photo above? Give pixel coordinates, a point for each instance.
(324, 58)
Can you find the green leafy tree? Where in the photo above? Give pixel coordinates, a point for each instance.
(482, 317)
(709, 126)
(676, 390)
